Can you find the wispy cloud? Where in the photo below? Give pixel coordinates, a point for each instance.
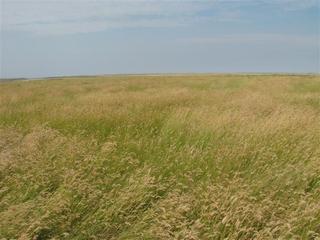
(295, 5)
(88, 16)
(71, 16)
(257, 38)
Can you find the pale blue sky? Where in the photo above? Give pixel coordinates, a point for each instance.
(87, 37)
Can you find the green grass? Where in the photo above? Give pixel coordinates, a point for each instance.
(161, 157)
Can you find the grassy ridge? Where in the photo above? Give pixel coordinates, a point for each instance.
(161, 157)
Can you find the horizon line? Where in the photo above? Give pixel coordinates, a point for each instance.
(157, 74)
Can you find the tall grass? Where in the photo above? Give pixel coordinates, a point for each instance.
(162, 157)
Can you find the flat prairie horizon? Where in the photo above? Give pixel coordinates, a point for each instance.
(169, 156)
(152, 74)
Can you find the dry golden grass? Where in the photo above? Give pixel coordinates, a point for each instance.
(161, 157)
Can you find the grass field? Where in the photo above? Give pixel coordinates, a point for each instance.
(161, 157)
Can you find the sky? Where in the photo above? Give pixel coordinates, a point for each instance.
(42, 38)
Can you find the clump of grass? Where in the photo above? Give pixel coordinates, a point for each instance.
(167, 157)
